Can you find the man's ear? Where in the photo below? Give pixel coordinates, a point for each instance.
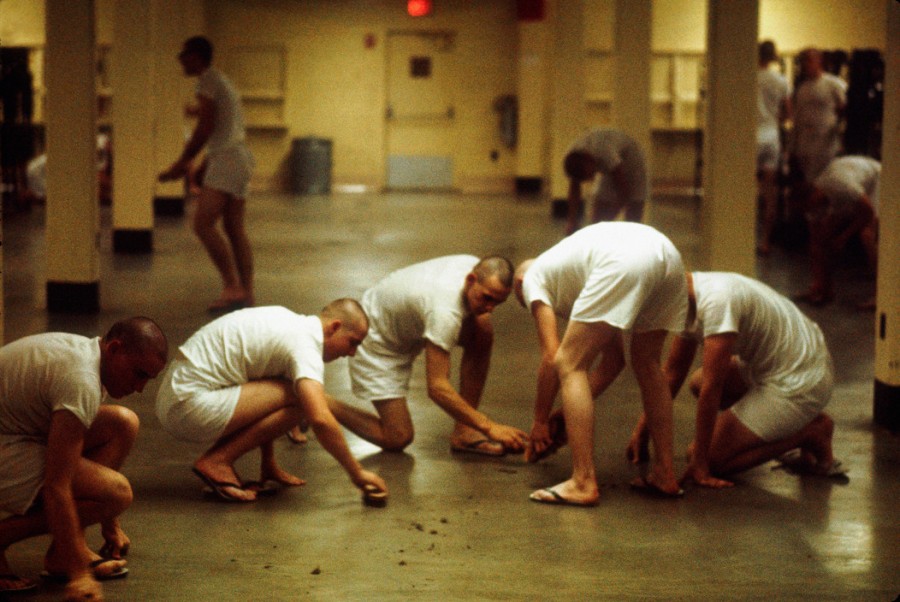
(332, 327)
(471, 279)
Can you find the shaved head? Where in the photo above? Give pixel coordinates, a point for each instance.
(348, 311)
(494, 266)
(139, 335)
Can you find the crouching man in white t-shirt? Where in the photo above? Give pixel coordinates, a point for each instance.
(606, 279)
(765, 379)
(61, 449)
(434, 305)
(246, 378)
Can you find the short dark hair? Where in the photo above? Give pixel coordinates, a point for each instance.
(574, 164)
(201, 46)
(767, 52)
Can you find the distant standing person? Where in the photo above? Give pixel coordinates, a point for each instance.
(773, 109)
(819, 103)
(619, 160)
(229, 164)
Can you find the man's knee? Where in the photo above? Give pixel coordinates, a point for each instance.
(121, 495)
(397, 440)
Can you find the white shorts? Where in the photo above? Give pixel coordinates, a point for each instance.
(189, 410)
(773, 416)
(22, 462)
(229, 171)
(768, 152)
(637, 292)
(377, 373)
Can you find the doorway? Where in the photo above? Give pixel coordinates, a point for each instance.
(420, 115)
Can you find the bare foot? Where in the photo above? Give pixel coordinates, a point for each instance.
(296, 435)
(567, 493)
(223, 479)
(667, 485)
(101, 567)
(279, 475)
(818, 443)
(465, 438)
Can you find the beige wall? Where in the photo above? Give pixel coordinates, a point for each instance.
(334, 87)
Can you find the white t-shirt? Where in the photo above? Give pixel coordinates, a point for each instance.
(612, 149)
(816, 105)
(847, 179)
(228, 130)
(253, 344)
(625, 274)
(779, 345)
(772, 90)
(420, 302)
(44, 373)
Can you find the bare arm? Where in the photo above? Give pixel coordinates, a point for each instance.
(206, 121)
(441, 391)
(314, 404)
(477, 344)
(547, 378)
(717, 352)
(65, 443)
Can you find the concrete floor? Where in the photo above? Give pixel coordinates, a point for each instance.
(462, 528)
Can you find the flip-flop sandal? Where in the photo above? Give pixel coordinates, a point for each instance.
(25, 584)
(265, 488)
(63, 578)
(477, 447)
(556, 499)
(218, 487)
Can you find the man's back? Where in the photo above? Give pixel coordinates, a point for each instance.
(418, 302)
(43, 373)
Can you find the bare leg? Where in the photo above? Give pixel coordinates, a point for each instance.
(769, 193)
(233, 222)
(735, 448)
(646, 350)
(265, 410)
(581, 344)
(391, 429)
(210, 208)
(108, 442)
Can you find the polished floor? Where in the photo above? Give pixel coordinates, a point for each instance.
(462, 528)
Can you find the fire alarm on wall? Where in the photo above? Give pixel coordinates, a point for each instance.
(418, 8)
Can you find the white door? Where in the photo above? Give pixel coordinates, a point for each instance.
(420, 114)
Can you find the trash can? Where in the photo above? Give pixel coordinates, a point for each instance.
(311, 166)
